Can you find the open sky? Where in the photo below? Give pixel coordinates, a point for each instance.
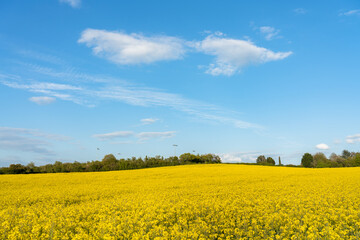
(83, 78)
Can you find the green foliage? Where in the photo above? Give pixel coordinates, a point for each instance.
(261, 159)
(16, 169)
(346, 154)
(320, 160)
(110, 163)
(357, 159)
(307, 160)
(270, 161)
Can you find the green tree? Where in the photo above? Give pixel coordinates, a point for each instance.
(307, 160)
(357, 159)
(320, 160)
(261, 159)
(110, 163)
(17, 169)
(346, 154)
(270, 161)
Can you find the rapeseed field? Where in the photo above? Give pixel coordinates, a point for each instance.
(184, 202)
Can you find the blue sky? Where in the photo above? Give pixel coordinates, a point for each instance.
(132, 78)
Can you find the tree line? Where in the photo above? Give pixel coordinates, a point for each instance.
(319, 160)
(110, 163)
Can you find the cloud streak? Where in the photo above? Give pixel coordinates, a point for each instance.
(147, 121)
(353, 139)
(355, 12)
(126, 134)
(72, 3)
(113, 135)
(300, 11)
(269, 32)
(149, 135)
(129, 94)
(42, 100)
(27, 140)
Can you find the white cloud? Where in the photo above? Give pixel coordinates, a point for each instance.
(353, 139)
(351, 13)
(133, 48)
(72, 3)
(42, 100)
(147, 121)
(230, 158)
(300, 11)
(234, 54)
(269, 32)
(148, 135)
(237, 157)
(113, 135)
(322, 146)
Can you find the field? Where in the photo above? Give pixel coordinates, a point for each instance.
(217, 201)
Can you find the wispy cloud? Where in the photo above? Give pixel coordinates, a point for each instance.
(130, 94)
(300, 11)
(27, 140)
(61, 91)
(142, 136)
(354, 12)
(72, 3)
(269, 32)
(353, 138)
(147, 121)
(231, 55)
(113, 135)
(322, 146)
(149, 135)
(42, 100)
(122, 48)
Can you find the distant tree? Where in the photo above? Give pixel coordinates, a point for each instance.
(320, 160)
(346, 154)
(31, 168)
(109, 162)
(270, 161)
(261, 159)
(94, 166)
(58, 167)
(190, 158)
(17, 169)
(333, 157)
(357, 159)
(210, 158)
(307, 160)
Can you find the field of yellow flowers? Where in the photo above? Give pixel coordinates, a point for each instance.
(217, 201)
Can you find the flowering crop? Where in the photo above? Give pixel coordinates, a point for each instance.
(183, 202)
